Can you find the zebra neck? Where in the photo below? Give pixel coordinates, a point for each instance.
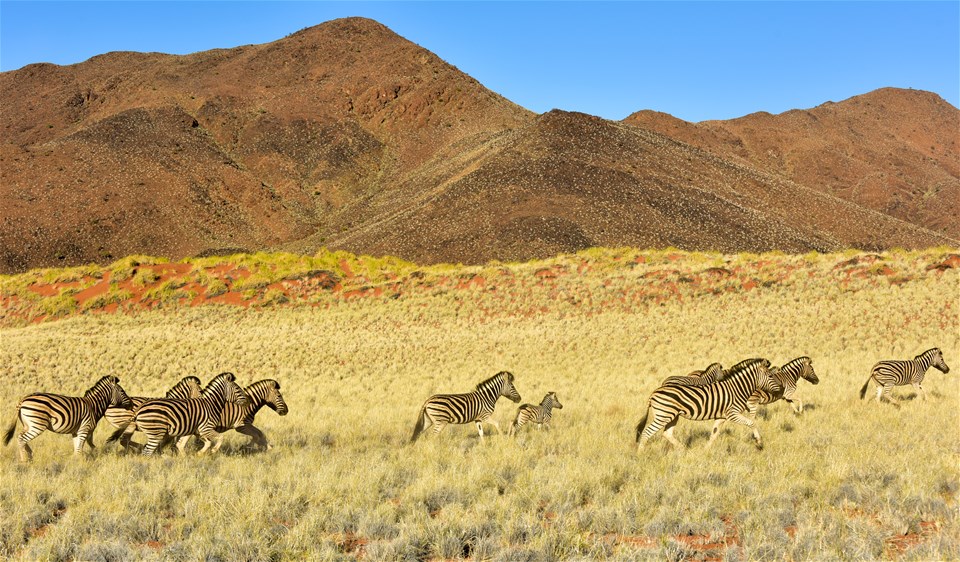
(924, 361)
(98, 404)
(489, 393)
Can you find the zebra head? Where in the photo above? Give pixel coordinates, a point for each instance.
(116, 396)
(807, 373)
(507, 390)
(768, 380)
(551, 400)
(274, 399)
(936, 360)
(188, 388)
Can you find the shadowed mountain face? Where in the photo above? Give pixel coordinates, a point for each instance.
(347, 135)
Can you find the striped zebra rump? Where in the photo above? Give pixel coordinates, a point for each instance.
(73, 415)
(891, 373)
(539, 415)
(441, 410)
(713, 373)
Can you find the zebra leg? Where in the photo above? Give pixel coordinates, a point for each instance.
(741, 419)
(480, 429)
(668, 433)
(29, 434)
(716, 430)
(920, 391)
(258, 439)
(154, 441)
(437, 427)
(496, 425)
(181, 445)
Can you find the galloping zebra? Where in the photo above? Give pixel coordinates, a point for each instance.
(66, 414)
(710, 375)
(477, 406)
(165, 418)
(120, 418)
(787, 376)
(721, 401)
(540, 415)
(888, 374)
(234, 416)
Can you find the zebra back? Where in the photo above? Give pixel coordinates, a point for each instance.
(717, 400)
(260, 394)
(713, 373)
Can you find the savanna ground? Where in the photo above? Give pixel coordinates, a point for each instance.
(358, 344)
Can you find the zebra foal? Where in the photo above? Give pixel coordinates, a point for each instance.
(75, 415)
(165, 418)
(120, 418)
(721, 401)
(540, 415)
(888, 374)
(787, 376)
(442, 409)
(713, 373)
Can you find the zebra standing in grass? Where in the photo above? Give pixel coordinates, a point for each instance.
(442, 409)
(66, 414)
(787, 376)
(188, 388)
(888, 374)
(234, 416)
(713, 373)
(166, 418)
(540, 415)
(721, 401)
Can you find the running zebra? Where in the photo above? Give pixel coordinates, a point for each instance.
(721, 401)
(787, 376)
(477, 406)
(166, 418)
(540, 415)
(710, 375)
(120, 418)
(66, 414)
(888, 374)
(234, 416)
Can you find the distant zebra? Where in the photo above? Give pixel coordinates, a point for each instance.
(721, 401)
(66, 414)
(477, 406)
(888, 374)
(710, 375)
(540, 415)
(120, 418)
(166, 418)
(787, 376)
(234, 416)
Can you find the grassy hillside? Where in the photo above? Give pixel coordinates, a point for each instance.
(359, 343)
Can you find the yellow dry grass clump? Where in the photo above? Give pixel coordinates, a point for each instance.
(845, 480)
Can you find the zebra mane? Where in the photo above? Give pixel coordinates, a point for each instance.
(101, 385)
(746, 365)
(261, 384)
(495, 380)
(548, 398)
(180, 386)
(217, 382)
(928, 353)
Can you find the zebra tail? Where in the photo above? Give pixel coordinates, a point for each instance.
(863, 391)
(421, 421)
(642, 425)
(9, 434)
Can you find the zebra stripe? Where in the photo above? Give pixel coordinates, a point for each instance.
(787, 376)
(710, 375)
(540, 415)
(188, 388)
(721, 401)
(240, 418)
(165, 418)
(888, 374)
(442, 409)
(77, 416)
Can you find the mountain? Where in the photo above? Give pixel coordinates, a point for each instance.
(349, 136)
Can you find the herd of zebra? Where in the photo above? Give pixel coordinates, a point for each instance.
(714, 393)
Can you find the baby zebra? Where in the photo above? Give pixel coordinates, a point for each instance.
(166, 418)
(234, 416)
(721, 401)
(888, 374)
(66, 414)
(710, 375)
(540, 415)
(787, 376)
(477, 406)
(120, 418)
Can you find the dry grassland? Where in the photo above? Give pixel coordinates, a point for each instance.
(844, 480)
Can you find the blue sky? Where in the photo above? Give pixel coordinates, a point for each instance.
(695, 60)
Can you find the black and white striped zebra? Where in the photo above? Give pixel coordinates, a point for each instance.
(75, 415)
(442, 409)
(540, 415)
(240, 418)
(120, 418)
(888, 374)
(163, 419)
(787, 376)
(713, 373)
(721, 401)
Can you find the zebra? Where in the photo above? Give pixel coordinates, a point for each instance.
(477, 406)
(787, 376)
(75, 415)
(721, 401)
(710, 375)
(888, 374)
(234, 416)
(187, 388)
(165, 418)
(540, 415)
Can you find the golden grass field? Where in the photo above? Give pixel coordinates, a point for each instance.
(846, 479)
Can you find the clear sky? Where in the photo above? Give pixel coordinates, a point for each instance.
(695, 60)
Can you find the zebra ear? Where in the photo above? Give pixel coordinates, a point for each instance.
(276, 384)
